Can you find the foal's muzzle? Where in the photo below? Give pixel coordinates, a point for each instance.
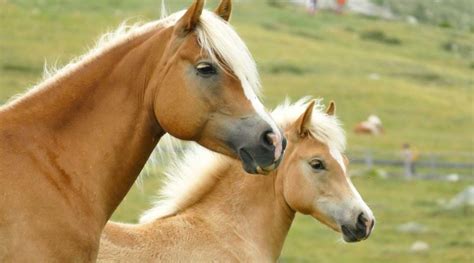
(360, 231)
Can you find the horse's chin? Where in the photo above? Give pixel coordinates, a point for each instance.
(251, 166)
(265, 171)
(351, 235)
(257, 170)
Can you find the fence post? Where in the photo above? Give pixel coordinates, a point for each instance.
(369, 160)
(433, 164)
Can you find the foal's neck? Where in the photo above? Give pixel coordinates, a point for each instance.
(250, 208)
(95, 123)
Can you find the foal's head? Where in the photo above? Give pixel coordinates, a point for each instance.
(206, 90)
(315, 175)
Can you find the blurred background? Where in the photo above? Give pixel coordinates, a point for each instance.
(400, 71)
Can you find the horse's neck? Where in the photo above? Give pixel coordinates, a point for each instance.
(94, 124)
(249, 208)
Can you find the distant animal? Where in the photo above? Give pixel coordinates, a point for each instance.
(71, 148)
(373, 126)
(211, 211)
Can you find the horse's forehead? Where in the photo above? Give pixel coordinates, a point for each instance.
(189, 46)
(192, 49)
(311, 146)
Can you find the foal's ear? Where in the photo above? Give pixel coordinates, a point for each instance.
(190, 19)
(304, 121)
(331, 110)
(224, 9)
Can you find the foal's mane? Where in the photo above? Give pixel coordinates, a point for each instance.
(216, 37)
(195, 170)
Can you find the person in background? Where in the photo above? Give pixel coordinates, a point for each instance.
(409, 156)
(312, 5)
(340, 6)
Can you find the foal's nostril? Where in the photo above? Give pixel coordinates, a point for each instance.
(361, 219)
(361, 222)
(361, 231)
(365, 224)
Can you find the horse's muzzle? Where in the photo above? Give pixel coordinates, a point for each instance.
(263, 158)
(361, 230)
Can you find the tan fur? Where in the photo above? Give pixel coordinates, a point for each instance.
(305, 120)
(331, 110)
(224, 9)
(238, 217)
(72, 147)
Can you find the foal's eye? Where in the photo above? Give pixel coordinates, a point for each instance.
(206, 69)
(317, 165)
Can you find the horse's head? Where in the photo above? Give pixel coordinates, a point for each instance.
(206, 89)
(315, 176)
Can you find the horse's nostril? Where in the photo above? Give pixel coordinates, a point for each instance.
(365, 224)
(361, 218)
(269, 139)
(361, 221)
(284, 144)
(372, 224)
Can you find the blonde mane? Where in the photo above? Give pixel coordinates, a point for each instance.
(194, 170)
(325, 128)
(216, 37)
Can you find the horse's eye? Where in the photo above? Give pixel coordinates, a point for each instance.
(317, 165)
(206, 69)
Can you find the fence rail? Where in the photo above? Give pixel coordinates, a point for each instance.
(428, 163)
(448, 165)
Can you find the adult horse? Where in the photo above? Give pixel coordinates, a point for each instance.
(71, 148)
(211, 212)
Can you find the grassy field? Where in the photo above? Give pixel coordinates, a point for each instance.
(417, 78)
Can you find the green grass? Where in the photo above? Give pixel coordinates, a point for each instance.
(424, 96)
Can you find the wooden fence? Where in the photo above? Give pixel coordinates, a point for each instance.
(431, 164)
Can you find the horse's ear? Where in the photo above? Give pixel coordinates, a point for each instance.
(304, 121)
(190, 19)
(224, 9)
(331, 110)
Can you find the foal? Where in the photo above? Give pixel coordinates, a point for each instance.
(214, 213)
(71, 148)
